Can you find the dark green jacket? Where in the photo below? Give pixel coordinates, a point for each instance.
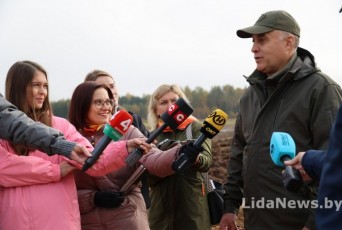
(303, 103)
(178, 201)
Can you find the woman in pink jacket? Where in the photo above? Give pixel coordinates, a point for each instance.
(38, 191)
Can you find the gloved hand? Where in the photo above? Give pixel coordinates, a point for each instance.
(191, 151)
(188, 155)
(108, 199)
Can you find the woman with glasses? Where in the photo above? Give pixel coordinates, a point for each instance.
(104, 78)
(102, 205)
(38, 191)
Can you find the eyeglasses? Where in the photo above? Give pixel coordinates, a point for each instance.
(100, 103)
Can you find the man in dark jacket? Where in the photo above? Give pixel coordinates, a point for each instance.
(16, 127)
(287, 93)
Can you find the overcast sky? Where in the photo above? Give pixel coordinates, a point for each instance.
(145, 43)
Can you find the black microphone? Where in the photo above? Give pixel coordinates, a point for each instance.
(212, 125)
(118, 126)
(173, 117)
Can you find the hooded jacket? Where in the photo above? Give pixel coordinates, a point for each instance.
(303, 103)
(32, 193)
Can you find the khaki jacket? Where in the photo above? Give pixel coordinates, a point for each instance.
(179, 201)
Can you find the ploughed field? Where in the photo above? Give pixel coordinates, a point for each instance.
(221, 145)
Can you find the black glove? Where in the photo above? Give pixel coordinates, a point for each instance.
(188, 154)
(191, 151)
(108, 199)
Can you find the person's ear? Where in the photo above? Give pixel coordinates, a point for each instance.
(290, 42)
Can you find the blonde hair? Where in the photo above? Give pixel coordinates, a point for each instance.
(152, 116)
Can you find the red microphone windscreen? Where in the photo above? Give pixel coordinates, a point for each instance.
(121, 121)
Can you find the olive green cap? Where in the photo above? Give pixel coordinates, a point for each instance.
(272, 20)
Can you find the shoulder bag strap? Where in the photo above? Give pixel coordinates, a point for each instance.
(204, 175)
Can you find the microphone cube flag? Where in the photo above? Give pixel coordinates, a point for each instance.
(282, 145)
(177, 113)
(213, 124)
(173, 117)
(118, 125)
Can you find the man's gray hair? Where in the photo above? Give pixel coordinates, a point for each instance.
(286, 34)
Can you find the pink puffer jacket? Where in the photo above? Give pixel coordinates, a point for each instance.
(32, 194)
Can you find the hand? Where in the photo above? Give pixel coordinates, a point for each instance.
(138, 143)
(146, 147)
(191, 150)
(108, 199)
(297, 164)
(66, 168)
(228, 222)
(79, 154)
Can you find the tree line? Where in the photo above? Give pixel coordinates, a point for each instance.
(202, 101)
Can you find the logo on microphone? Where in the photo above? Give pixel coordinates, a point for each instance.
(172, 109)
(218, 117)
(285, 139)
(177, 114)
(209, 130)
(118, 125)
(214, 123)
(179, 117)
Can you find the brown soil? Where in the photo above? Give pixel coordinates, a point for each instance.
(221, 145)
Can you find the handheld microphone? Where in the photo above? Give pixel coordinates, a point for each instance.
(173, 117)
(211, 126)
(283, 148)
(118, 126)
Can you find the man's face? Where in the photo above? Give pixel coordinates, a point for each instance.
(271, 51)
